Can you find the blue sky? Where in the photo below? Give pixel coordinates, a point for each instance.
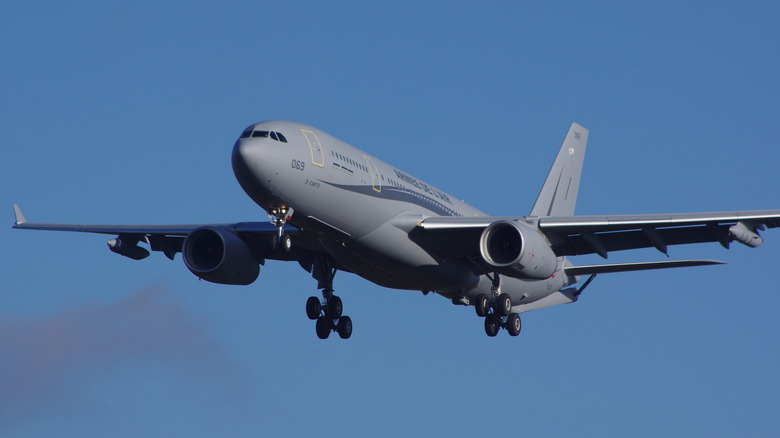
(126, 113)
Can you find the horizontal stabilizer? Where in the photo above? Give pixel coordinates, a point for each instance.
(641, 266)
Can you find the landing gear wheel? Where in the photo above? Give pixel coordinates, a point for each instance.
(344, 327)
(481, 305)
(335, 307)
(313, 308)
(504, 305)
(282, 243)
(285, 242)
(323, 327)
(513, 324)
(491, 325)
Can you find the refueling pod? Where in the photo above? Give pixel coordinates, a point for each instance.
(219, 255)
(747, 233)
(128, 247)
(518, 250)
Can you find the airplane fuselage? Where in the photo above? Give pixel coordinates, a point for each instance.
(363, 210)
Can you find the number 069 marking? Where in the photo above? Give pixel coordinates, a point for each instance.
(296, 164)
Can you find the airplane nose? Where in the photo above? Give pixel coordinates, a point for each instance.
(239, 157)
(254, 168)
(244, 155)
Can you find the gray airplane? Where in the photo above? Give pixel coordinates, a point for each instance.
(333, 207)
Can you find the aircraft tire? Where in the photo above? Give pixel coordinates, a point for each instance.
(344, 327)
(286, 242)
(504, 305)
(313, 308)
(513, 324)
(323, 327)
(335, 307)
(481, 305)
(491, 325)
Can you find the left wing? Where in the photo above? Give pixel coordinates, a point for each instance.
(578, 235)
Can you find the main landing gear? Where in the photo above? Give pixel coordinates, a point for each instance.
(501, 307)
(328, 315)
(328, 311)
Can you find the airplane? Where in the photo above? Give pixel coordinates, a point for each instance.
(333, 207)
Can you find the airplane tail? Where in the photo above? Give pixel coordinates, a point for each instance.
(558, 196)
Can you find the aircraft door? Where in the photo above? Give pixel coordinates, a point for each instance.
(317, 155)
(376, 180)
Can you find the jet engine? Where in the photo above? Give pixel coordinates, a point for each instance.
(518, 250)
(218, 255)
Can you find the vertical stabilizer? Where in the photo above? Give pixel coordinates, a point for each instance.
(558, 196)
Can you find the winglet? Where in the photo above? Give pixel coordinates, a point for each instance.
(18, 215)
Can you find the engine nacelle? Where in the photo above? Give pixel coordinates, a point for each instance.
(218, 255)
(518, 250)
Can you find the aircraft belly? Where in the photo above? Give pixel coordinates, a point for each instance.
(386, 256)
(522, 291)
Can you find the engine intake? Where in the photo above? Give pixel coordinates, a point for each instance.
(218, 255)
(518, 250)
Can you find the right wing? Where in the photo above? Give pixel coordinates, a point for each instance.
(167, 238)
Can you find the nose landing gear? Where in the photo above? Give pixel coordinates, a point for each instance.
(279, 217)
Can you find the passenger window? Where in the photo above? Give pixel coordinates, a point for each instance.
(282, 138)
(273, 135)
(260, 134)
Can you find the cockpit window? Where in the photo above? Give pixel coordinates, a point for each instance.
(250, 132)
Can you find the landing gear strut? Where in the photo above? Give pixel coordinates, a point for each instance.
(501, 306)
(328, 311)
